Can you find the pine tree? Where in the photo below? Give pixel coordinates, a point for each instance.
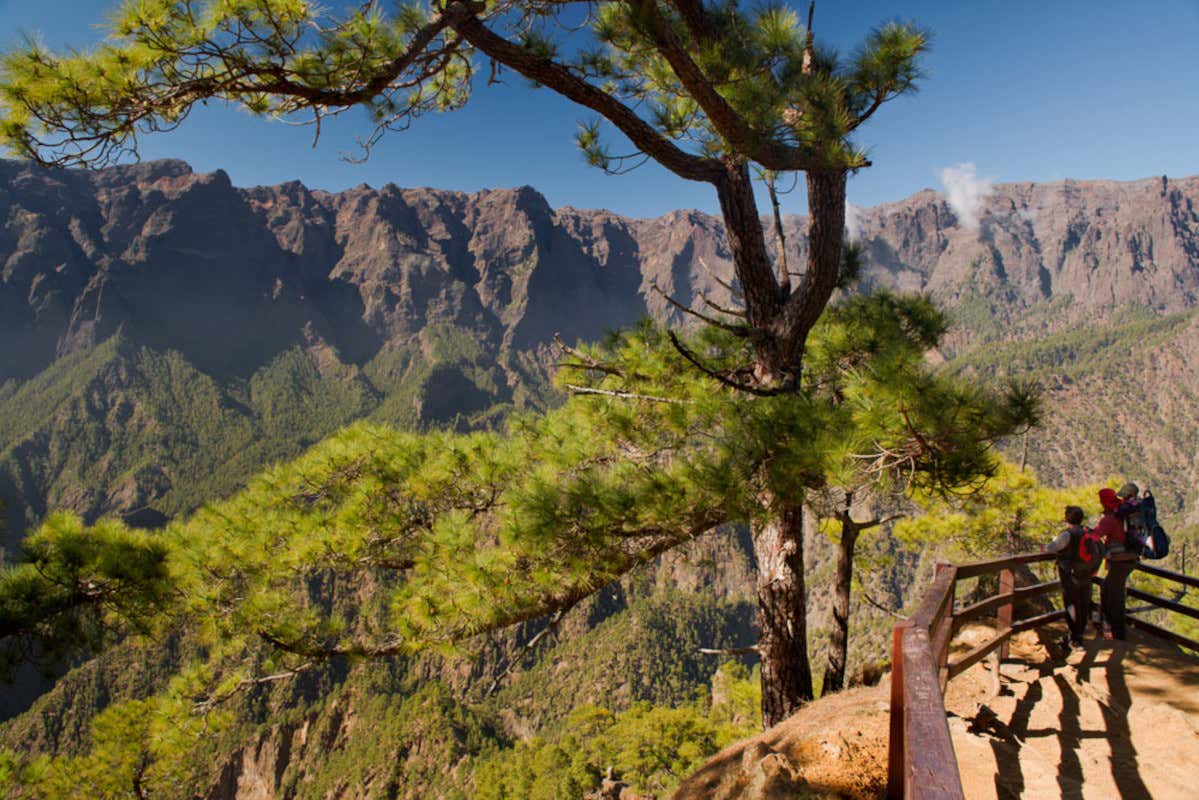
(706, 90)
(938, 431)
(74, 586)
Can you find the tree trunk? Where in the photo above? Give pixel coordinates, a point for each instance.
(826, 238)
(782, 612)
(783, 322)
(751, 261)
(834, 675)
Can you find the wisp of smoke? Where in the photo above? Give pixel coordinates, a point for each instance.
(965, 191)
(853, 222)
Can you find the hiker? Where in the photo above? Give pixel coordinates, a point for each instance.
(1121, 560)
(1142, 532)
(1078, 558)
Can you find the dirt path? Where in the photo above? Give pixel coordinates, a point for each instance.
(1118, 719)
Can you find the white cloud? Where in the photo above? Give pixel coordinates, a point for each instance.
(853, 222)
(965, 191)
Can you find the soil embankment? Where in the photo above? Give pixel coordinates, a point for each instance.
(1116, 719)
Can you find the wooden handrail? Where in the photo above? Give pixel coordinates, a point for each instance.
(983, 607)
(1161, 602)
(1163, 633)
(995, 565)
(1177, 577)
(920, 665)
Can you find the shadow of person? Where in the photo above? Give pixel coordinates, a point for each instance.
(1125, 769)
(1069, 736)
(1009, 779)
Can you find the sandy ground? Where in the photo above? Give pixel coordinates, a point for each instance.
(1117, 719)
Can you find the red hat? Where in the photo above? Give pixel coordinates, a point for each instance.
(1108, 499)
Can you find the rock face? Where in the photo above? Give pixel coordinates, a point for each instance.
(230, 277)
(160, 327)
(1097, 243)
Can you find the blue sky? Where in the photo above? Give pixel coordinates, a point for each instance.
(1024, 90)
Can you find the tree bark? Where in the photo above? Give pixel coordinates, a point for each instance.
(747, 242)
(782, 611)
(826, 236)
(834, 674)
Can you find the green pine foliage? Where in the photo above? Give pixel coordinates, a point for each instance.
(1009, 512)
(652, 748)
(278, 58)
(75, 585)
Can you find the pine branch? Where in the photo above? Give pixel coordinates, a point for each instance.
(759, 147)
(744, 331)
(562, 80)
(732, 384)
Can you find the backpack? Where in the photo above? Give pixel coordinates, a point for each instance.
(1090, 551)
(1146, 536)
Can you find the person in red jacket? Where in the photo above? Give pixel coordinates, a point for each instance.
(1120, 563)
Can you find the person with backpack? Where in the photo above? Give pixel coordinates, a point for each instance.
(1122, 558)
(1079, 554)
(1143, 532)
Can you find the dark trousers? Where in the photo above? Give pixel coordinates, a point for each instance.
(1111, 594)
(1076, 599)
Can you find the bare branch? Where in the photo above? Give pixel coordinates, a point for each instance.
(207, 704)
(780, 237)
(731, 651)
(874, 523)
(551, 629)
(741, 330)
(588, 363)
(624, 395)
(712, 274)
(871, 601)
(732, 312)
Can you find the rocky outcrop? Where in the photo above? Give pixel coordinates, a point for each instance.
(230, 276)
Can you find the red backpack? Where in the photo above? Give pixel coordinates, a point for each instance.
(1090, 549)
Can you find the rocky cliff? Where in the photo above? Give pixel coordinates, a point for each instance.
(231, 277)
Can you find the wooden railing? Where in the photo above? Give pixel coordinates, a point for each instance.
(1173, 606)
(921, 761)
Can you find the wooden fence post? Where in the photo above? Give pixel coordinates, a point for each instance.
(896, 744)
(1007, 584)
